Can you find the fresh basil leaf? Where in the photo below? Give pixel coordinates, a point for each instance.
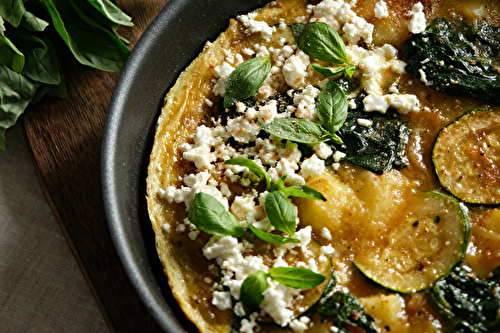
(16, 92)
(33, 23)
(280, 212)
(251, 291)
(91, 39)
(42, 62)
(12, 11)
(112, 12)
(10, 55)
(333, 71)
(271, 238)
(298, 30)
(320, 41)
(57, 91)
(297, 130)
(210, 216)
(296, 277)
(303, 191)
(246, 79)
(278, 185)
(332, 107)
(329, 71)
(252, 166)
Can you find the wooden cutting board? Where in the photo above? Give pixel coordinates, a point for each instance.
(65, 137)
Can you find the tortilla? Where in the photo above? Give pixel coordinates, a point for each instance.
(361, 208)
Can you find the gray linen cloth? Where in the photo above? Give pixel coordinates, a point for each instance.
(41, 286)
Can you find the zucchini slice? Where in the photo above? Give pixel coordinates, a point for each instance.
(466, 157)
(431, 239)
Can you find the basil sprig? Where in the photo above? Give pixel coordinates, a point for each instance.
(252, 288)
(319, 41)
(246, 79)
(303, 191)
(332, 112)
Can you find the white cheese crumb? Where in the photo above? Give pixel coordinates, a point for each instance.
(295, 70)
(338, 155)
(327, 249)
(305, 102)
(312, 166)
(300, 325)
(326, 233)
(221, 73)
(322, 150)
(166, 227)
(193, 234)
(364, 122)
(403, 103)
(423, 77)
(253, 26)
(222, 300)
(417, 23)
(381, 10)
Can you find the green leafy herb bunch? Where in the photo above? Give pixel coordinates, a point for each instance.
(36, 34)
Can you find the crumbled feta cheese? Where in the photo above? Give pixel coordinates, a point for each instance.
(253, 26)
(312, 166)
(277, 302)
(242, 130)
(423, 77)
(338, 155)
(358, 29)
(326, 233)
(243, 205)
(340, 16)
(193, 234)
(306, 103)
(295, 70)
(322, 150)
(417, 23)
(328, 249)
(403, 103)
(284, 167)
(364, 122)
(222, 300)
(267, 112)
(381, 10)
(221, 73)
(166, 227)
(300, 325)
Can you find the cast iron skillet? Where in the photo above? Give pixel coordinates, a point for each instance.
(174, 38)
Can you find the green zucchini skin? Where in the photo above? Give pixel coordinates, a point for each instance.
(411, 264)
(466, 157)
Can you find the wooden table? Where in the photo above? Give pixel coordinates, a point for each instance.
(65, 137)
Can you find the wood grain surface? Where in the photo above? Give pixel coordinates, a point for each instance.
(65, 137)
